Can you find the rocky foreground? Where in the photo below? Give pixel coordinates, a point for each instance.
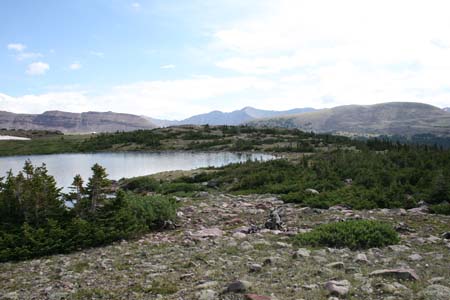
(220, 250)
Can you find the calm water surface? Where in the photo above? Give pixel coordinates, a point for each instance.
(127, 164)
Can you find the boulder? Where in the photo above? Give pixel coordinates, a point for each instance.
(208, 232)
(206, 295)
(338, 288)
(238, 286)
(435, 292)
(402, 274)
(312, 191)
(302, 252)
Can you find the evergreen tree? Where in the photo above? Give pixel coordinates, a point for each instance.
(97, 187)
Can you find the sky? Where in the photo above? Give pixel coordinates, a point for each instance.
(175, 58)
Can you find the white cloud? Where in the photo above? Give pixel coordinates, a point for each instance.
(136, 5)
(21, 54)
(170, 66)
(97, 53)
(162, 98)
(37, 68)
(341, 52)
(75, 66)
(28, 55)
(16, 47)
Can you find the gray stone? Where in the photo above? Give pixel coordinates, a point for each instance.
(302, 252)
(361, 258)
(255, 267)
(312, 191)
(239, 286)
(206, 295)
(415, 257)
(403, 274)
(338, 288)
(435, 292)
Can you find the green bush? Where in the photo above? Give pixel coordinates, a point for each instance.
(141, 184)
(354, 234)
(441, 209)
(179, 187)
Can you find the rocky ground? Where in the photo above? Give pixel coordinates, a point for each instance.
(221, 251)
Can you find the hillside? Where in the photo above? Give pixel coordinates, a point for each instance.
(394, 118)
(74, 122)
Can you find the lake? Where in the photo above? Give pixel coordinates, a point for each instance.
(124, 164)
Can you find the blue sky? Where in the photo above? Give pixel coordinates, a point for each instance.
(173, 58)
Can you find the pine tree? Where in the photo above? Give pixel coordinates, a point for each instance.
(97, 187)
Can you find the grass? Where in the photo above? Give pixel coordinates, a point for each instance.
(45, 145)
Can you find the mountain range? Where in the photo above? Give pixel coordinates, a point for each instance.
(403, 118)
(236, 117)
(74, 122)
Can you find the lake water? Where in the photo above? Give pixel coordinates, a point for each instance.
(124, 164)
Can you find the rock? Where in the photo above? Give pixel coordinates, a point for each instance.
(415, 257)
(310, 286)
(212, 183)
(361, 258)
(398, 248)
(206, 285)
(433, 239)
(338, 207)
(283, 245)
(11, 296)
(206, 295)
(274, 222)
(208, 232)
(255, 267)
(336, 265)
(403, 228)
(435, 292)
(319, 259)
(239, 235)
(202, 194)
(246, 246)
(268, 261)
(403, 274)
(436, 280)
(312, 191)
(392, 288)
(256, 297)
(239, 286)
(419, 210)
(302, 252)
(58, 296)
(338, 288)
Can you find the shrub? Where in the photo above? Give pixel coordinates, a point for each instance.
(179, 188)
(354, 234)
(141, 184)
(442, 209)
